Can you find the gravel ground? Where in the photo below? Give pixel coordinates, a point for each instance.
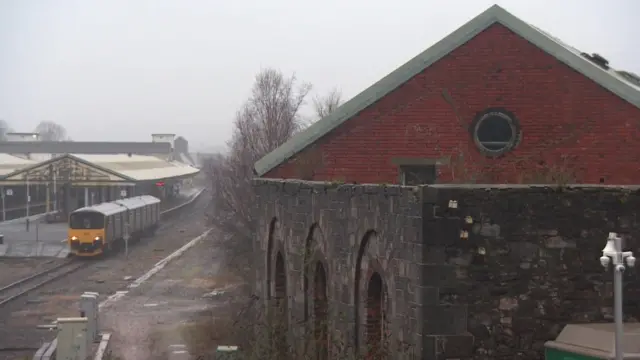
(106, 276)
(170, 307)
(14, 269)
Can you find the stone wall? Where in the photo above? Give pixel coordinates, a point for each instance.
(377, 227)
(470, 272)
(531, 262)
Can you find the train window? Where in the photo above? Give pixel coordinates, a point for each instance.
(86, 220)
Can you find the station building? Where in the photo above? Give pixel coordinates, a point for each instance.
(41, 176)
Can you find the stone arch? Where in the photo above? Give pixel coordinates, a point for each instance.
(306, 267)
(270, 246)
(281, 318)
(320, 312)
(280, 279)
(375, 317)
(357, 284)
(313, 251)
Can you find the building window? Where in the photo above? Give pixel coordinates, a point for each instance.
(412, 175)
(495, 131)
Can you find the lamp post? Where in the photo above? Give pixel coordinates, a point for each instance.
(612, 252)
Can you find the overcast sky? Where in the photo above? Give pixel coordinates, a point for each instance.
(119, 70)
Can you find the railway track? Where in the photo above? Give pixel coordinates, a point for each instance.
(54, 287)
(32, 282)
(168, 223)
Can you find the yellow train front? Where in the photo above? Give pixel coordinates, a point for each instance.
(101, 228)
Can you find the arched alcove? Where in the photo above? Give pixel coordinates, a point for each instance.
(270, 241)
(357, 284)
(375, 317)
(320, 310)
(280, 318)
(308, 249)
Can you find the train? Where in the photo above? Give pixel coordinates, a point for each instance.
(99, 229)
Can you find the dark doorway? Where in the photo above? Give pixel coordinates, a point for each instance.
(321, 310)
(375, 317)
(280, 322)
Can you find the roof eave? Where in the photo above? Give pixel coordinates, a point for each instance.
(177, 177)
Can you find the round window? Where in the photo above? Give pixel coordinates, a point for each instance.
(495, 131)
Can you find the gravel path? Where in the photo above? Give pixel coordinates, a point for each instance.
(172, 308)
(60, 298)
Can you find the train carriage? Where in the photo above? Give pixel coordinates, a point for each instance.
(143, 214)
(96, 229)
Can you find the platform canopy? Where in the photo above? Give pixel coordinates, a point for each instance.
(99, 170)
(10, 163)
(65, 169)
(141, 168)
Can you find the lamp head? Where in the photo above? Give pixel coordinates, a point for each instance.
(631, 261)
(610, 247)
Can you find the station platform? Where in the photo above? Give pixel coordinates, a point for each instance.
(41, 239)
(49, 240)
(22, 220)
(18, 212)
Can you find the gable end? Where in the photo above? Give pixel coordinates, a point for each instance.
(413, 67)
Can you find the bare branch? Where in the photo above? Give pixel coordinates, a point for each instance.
(325, 105)
(267, 119)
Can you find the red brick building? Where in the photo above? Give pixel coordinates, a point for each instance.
(497, 101)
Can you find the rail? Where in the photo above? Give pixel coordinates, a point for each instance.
(32, 282)
(191, 200)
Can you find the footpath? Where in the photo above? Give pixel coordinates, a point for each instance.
(166, 314)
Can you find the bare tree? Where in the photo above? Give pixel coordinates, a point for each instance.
(51, 131)
(325, 105)
(268, 118)
(4, 129)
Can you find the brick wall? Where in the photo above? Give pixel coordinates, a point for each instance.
(562, 113)
(531, 263)
(337, 223)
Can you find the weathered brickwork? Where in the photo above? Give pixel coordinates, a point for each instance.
(529, 265)
(571, 126)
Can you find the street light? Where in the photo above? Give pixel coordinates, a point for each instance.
(613, 251)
